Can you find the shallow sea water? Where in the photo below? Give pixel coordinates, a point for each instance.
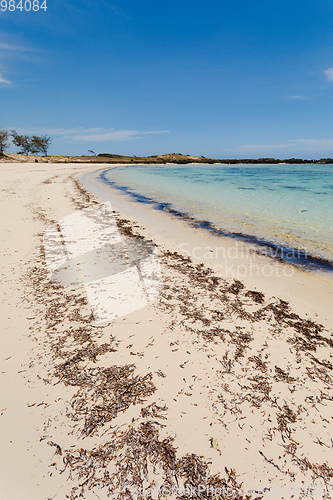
(288, 206)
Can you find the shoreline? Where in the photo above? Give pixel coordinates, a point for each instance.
(164, 159)
(90, 409)
(229, 258)
(299, 257)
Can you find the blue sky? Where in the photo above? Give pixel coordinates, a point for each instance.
(224, 79)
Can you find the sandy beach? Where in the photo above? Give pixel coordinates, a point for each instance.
(221, 387)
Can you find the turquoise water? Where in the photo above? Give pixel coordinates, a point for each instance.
(289, 205)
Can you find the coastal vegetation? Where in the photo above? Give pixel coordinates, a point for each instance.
(4, 137)
(34, 144)
(39, 145)
(181, 159)
(109, 158)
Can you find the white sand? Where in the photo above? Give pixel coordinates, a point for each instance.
(231, 409)
(309, 294)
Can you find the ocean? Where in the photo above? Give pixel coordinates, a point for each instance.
(284, 208)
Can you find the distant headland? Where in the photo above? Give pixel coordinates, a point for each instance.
(174, 158)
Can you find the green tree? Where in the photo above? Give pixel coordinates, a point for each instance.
(40, 144)
(22, 141)
(4, 136)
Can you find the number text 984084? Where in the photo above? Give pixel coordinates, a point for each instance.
(23, 5)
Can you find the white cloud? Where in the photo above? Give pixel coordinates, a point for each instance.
(259, 149)
(294, 146)
(4, 81)
(299, 98)
(314, 144)
(92, 134)
(14, 48)
(113, 135)
(329, 74)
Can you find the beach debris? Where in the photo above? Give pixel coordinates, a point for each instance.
(214, 443)
(58, 448)
(242, 325)
(134, 454)
(236, 287)
(257, 297)
(104, 392)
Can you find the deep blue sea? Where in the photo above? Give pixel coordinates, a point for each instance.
(286, 206)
